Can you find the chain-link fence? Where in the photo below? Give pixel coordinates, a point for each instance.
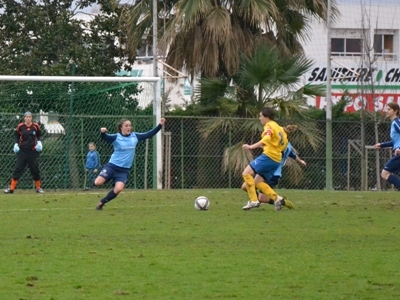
(70, 115)
(196, 155)
(62, 161)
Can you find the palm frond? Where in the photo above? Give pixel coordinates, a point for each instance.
(256, 12)
(291, 68)
(192, 11)
(312, 90)
(288, 108)
(235, 159)
(307, 135)
(296, 171)
(211, 89)
(136, 20)
(252, 130)
(259, 68)
(207, 127)
(217, 26)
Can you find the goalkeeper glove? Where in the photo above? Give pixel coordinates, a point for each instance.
(16, 148)
(39, 146)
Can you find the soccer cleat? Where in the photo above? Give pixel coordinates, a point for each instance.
(278, 204)
(100, 206)
(39, 190)
(287, 203)
(8, 191)
(251, 205)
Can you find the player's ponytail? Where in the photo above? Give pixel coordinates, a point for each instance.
(290, 128)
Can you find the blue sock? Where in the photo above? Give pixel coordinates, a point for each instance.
(111, 195)
(394, 180)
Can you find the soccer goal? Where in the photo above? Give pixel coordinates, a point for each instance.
(71, 110)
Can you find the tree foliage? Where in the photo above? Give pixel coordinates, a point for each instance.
(45, 38)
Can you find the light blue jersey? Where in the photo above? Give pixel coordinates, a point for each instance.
(394, 135)
(287, 153)
(125, 146)
(92, 160)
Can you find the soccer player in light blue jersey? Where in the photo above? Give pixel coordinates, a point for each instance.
(121, 161)
(393, 165)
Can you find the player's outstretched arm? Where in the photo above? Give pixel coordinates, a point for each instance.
(300, 161)
(107, 137)
(149, 134)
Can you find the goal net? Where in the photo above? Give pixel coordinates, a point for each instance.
(71, 111)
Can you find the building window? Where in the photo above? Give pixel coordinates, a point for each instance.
(346, 47)
(384, 45)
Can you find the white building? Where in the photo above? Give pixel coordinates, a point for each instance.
(365, 54)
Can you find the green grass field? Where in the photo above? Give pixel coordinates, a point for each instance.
(155, 245)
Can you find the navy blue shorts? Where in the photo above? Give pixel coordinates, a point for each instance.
(115, 173)
(273, 181)
(393, 165)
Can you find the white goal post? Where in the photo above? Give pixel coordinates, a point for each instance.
(156, 81)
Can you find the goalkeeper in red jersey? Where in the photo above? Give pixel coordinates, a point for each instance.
(27, 146)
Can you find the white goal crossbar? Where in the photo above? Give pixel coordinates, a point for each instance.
(157, 170)
(77, 78)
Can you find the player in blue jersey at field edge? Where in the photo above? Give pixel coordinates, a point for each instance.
(393, 165)
(121, 161)
(92, 165)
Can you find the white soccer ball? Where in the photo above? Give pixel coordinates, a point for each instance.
(201, 203)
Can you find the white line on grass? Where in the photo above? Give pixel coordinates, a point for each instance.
(86, 208)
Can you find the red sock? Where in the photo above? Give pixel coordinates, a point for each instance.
(37, 184)
(13, 184)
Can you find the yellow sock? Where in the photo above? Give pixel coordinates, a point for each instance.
(250, 187)
(267, 190)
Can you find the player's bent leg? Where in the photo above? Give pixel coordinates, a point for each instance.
(99, 181)
(266, 190)
(385, 174)
(251, 189)
(119, 186)
(250, 186)
(244, 186)
(264, 199)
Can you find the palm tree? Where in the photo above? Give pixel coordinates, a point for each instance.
(208, 37)
(267, 78)
(215, 40)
